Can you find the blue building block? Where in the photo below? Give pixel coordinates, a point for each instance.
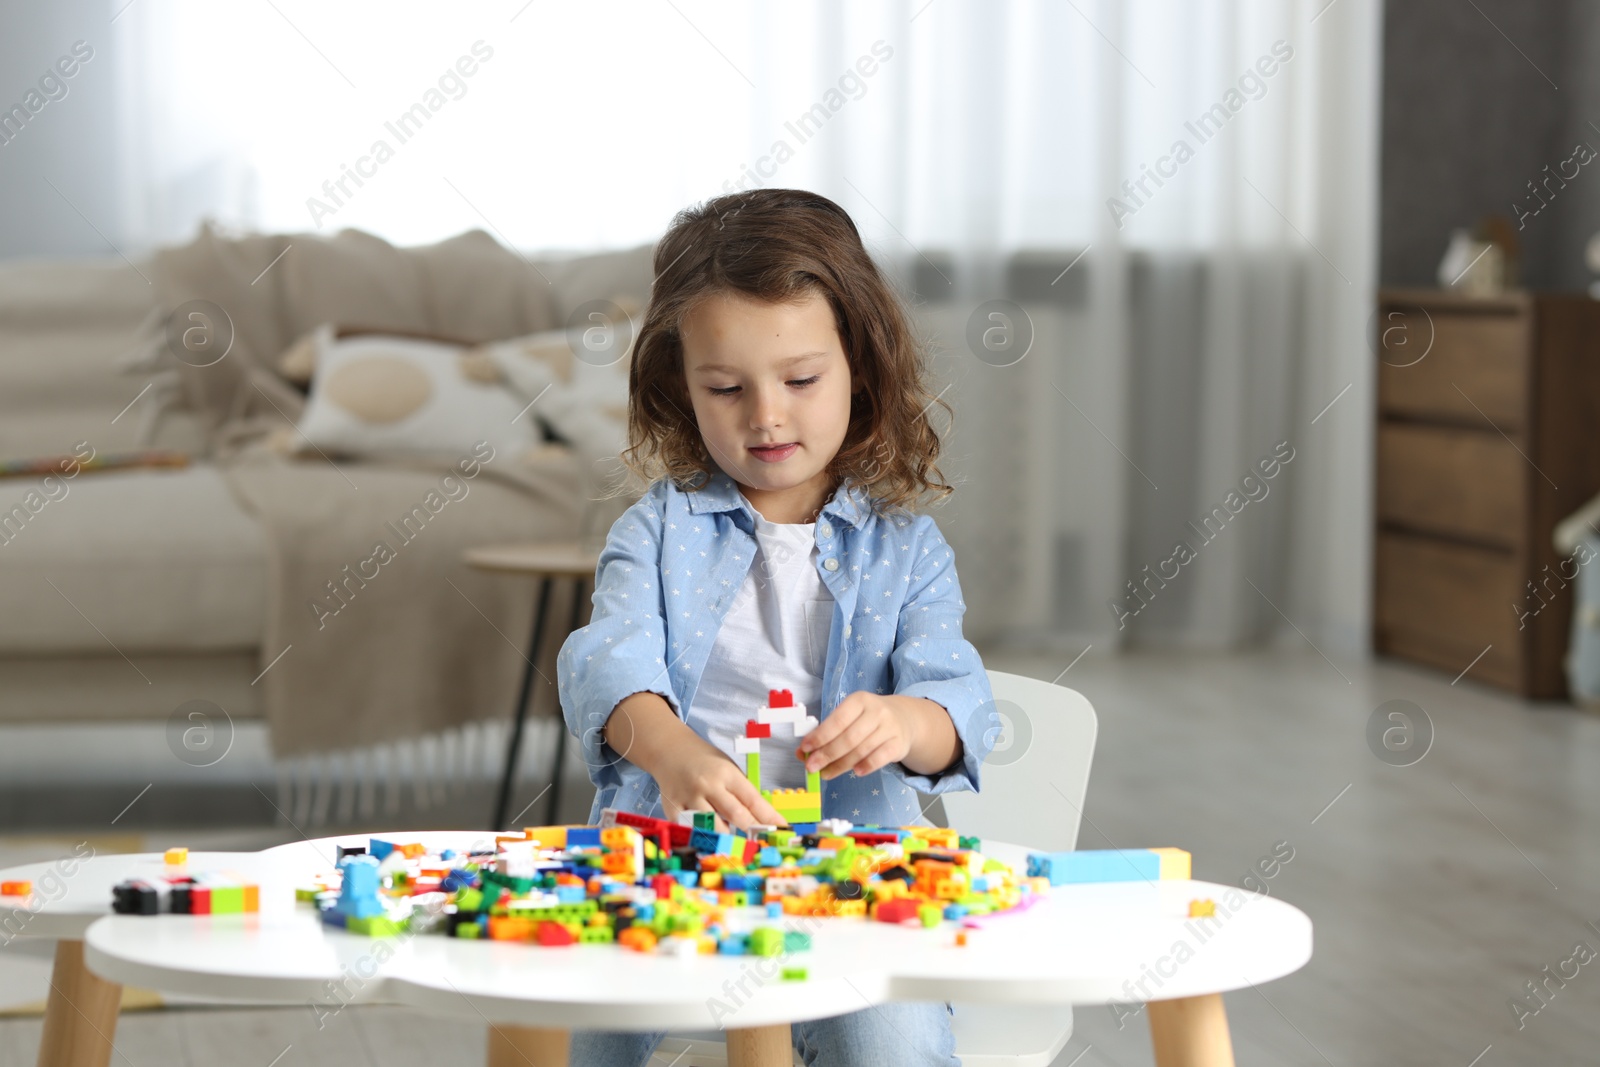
(583, 837)
(358, 889)
(769, 857)
(1095, 865)
(571, 894)
(710, 841)
(379, 849)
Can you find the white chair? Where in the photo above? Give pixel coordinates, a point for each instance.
(1032, 793)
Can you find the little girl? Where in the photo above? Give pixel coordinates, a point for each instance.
(778, 411)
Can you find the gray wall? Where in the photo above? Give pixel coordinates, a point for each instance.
(1468, 121)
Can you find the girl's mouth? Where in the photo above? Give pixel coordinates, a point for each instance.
(774, 453)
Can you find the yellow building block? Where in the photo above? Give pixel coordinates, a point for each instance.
(1174, 863)
(552, 836)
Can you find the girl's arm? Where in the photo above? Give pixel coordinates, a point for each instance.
(693, 774)
(935, 745)
(937, 728)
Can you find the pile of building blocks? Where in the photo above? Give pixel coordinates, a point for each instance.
(795, 805)
(678, 887)
(682, 886)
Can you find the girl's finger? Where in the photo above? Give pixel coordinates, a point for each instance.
(840, 747)
(857, 752)
(738, 815)
(881, 756)
(843, 714)
(759, 806)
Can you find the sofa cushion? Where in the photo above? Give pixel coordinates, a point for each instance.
(379, 395)
(132, 561)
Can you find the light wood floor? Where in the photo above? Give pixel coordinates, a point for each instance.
(1437, 890)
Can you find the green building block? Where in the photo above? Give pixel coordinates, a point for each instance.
(752, 768)
(766, 941)
(377, 926)
(595, 935)
(795, 941)
(794, 974)
(227, 900)
(930, 914)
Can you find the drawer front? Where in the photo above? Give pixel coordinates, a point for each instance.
(1458, 483)
(1476, 366)
(1442, 604)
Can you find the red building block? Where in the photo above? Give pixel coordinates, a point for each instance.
(551, 933)
(780, 698)
(898, 910)
(757, 729)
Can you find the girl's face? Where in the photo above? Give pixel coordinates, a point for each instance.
(771, 388)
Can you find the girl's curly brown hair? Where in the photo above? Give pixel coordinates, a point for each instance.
(781, 245)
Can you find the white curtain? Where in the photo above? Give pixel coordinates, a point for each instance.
(1216, 300)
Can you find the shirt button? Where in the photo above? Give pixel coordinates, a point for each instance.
(831, 563)
(824, 529)
(847, 629)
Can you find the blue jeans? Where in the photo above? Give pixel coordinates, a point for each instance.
(913, 1034)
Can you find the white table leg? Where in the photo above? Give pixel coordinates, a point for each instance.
(1191, 1032)
(528, 1046)
(80, 1014)
(761, 1046)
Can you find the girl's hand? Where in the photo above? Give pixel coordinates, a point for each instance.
(701, 777)
(865, 731)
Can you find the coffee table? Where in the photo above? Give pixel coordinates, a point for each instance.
(1088, 944)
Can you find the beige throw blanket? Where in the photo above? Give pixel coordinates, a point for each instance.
(376, 632)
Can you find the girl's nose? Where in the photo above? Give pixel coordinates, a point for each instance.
(766, 409)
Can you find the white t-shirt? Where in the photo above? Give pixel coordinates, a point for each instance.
(774, 636)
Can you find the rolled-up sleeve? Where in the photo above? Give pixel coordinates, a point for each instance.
(621, 650)
(932, 659)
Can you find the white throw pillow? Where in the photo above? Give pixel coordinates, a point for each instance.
(582, 396)
(376, 395)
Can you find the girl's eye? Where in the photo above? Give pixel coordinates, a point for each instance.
(731, 389)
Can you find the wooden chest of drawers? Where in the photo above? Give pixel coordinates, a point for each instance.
(1488, 434)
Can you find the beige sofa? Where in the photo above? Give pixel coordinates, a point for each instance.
(132, 591)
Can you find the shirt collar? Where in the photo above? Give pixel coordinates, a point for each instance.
(850, 502)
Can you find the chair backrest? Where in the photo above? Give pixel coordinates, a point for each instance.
(1032, 785)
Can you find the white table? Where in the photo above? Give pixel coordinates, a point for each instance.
(1089, 944)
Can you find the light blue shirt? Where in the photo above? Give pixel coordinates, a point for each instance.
(669, 571)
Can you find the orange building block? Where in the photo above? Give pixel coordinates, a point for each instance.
(638, 938)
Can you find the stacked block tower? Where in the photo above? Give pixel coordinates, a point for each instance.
(781, 718)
